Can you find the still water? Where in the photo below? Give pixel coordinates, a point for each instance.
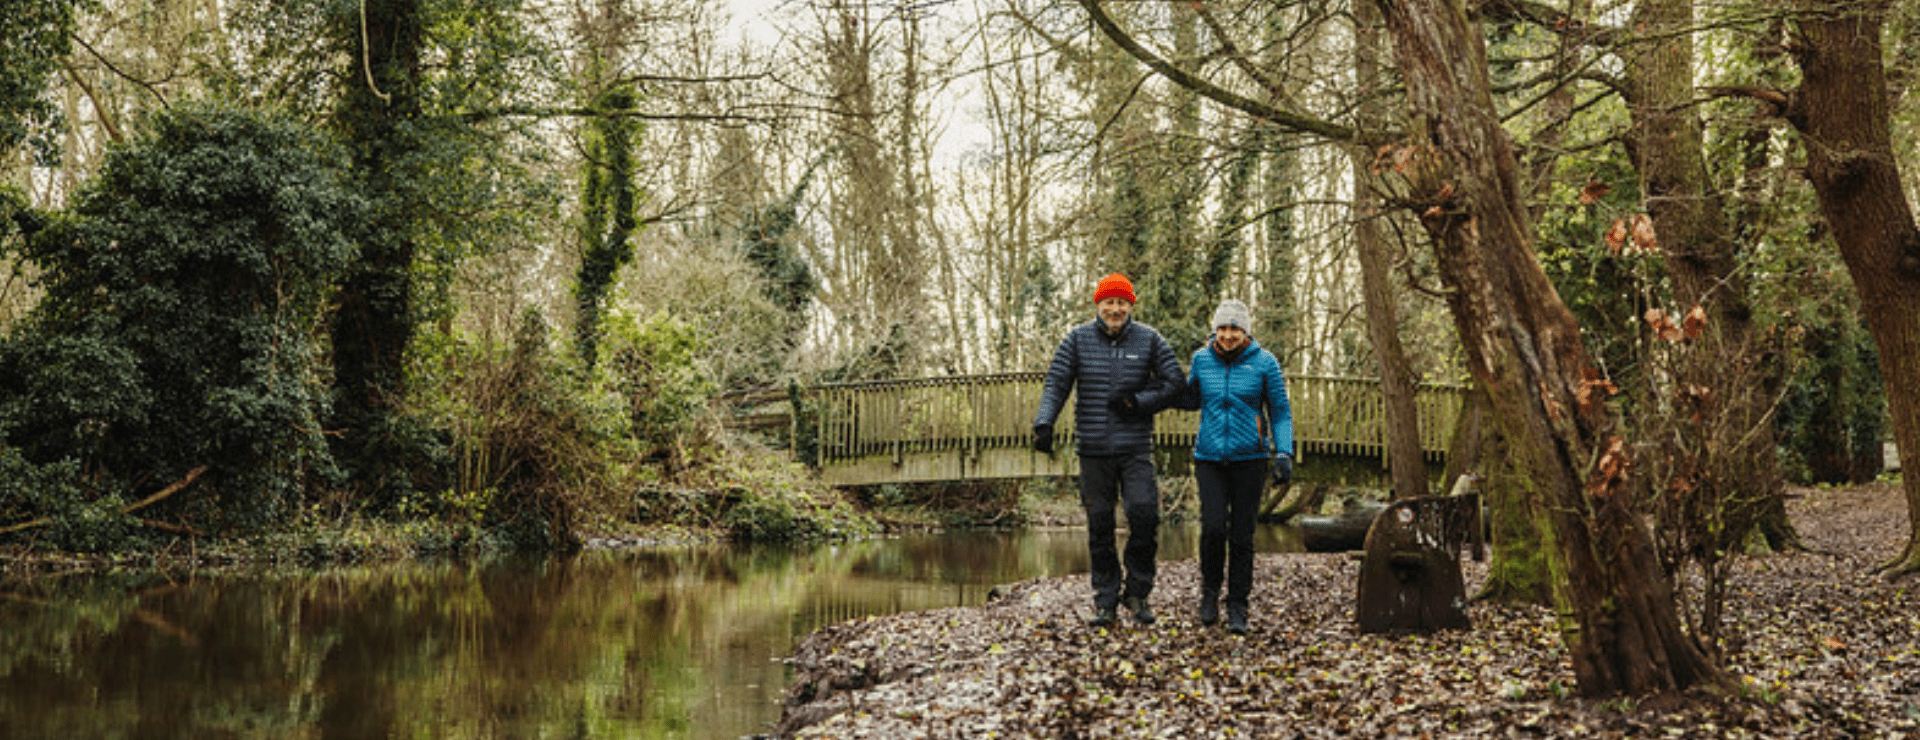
(679, 643)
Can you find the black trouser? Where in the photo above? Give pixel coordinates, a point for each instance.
(1131, 478)
(1229, 505)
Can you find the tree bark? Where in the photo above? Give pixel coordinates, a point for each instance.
(1406, 462)
(1523, 345)
(1843, 113)
(1727, 477)
(374, 321)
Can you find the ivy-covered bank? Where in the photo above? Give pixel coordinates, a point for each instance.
(170, 390)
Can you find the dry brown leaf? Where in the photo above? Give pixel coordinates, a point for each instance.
(1695, 322)
(1588, 388)
(1643, 237)
(1593, 192)
(1617, 237)
(1381, 157)
(1663, 328)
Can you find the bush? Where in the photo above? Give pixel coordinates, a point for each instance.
(537, 441)
(653, 363)
(183, 292)
(770, 499)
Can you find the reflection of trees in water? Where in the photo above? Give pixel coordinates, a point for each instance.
(660, 643)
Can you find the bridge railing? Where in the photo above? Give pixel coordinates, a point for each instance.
(978, 426)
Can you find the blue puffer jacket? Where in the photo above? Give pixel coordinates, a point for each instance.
(1239, 400)
(1093, 366)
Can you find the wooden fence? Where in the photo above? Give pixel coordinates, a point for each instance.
(978, 426)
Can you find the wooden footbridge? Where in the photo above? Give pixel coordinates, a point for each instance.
(974, 427)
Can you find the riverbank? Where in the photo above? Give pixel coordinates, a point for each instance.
(1822, 649)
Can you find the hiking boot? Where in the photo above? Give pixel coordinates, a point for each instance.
(1141, 612)
(1209, 610)
(1103, 616)
(1237, 619)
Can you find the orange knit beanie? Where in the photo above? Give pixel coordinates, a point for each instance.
(1115, 285)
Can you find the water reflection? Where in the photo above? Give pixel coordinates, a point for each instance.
(683, 643)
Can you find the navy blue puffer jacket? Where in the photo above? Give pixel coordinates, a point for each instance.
(1093, 366)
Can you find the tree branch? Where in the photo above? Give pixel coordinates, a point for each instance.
(157, 497)
(1279, 116)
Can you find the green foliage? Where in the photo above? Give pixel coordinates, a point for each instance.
(786, 281)
(53, 493)
(654, 365)
(1607, 285)
(36, 33)
(607, 203)
(182, 294)
(777, 506)
(536, 443)
(769, 246)
(1832, 420)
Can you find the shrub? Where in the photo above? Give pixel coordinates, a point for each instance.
(178, 328)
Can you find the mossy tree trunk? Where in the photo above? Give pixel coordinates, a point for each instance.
(1523, 345)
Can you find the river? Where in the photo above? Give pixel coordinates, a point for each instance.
(684, 642)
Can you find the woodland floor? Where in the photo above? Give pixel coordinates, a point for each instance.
(1820, 649)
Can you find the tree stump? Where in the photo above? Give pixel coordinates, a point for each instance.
(1410, 578)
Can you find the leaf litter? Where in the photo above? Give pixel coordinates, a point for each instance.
(1820, 648)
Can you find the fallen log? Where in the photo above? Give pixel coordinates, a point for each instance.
(1342, 532)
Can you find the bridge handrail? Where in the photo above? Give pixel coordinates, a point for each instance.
(1332, 415)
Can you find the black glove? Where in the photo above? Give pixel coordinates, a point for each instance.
(1283, 470)
(1125, 405)
(1043, 438)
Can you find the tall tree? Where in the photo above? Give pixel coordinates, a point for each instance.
(1524, 346)
(607, 202)
(1723, 476)
(1842, 110)
(875, 279)
(380, 112)
(1406, 460)
(1462, 178)
(422, 89)
(37, 33)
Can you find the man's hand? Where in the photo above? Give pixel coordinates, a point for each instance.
(1043, 438)
(1283, 469)
(1125, 405)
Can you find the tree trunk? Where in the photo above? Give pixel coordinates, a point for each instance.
(1523, 345)
(1725, 477)
(1842, 110)
(374, 321)
(1406, 462)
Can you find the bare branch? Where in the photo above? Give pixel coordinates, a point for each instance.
(1278, 116)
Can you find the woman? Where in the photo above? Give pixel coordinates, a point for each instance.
(1246, 434)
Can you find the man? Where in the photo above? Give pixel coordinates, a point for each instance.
(1124, 372)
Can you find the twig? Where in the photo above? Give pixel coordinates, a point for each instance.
(157, 497)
